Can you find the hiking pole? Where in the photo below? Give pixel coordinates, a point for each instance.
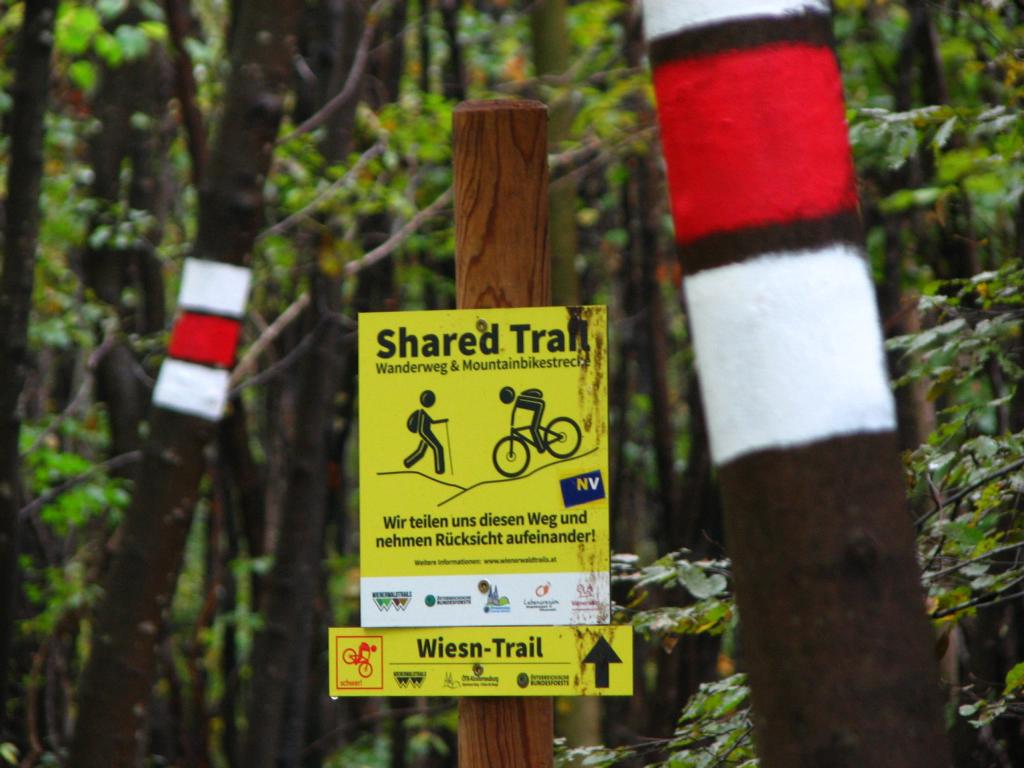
(448, 442)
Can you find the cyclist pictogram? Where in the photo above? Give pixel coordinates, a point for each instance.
(560, 437)
(360, 659)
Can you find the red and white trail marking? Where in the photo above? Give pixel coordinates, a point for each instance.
(789, 354)
(764, 200)
(194, 377)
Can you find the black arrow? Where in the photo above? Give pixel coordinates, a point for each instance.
(601, 655)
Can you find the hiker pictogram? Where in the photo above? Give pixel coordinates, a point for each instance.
(421, 423)
(560, 437)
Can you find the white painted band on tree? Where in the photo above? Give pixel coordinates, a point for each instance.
(214, 287)
(190, 388)
(666, 17)
(789, 351)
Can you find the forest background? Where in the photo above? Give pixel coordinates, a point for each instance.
(144, 139)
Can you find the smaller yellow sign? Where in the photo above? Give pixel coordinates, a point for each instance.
(482, 661)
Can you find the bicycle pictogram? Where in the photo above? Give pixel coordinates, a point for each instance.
(360, 660)
(560, 437)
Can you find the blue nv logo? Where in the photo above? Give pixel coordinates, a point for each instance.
(580, 489)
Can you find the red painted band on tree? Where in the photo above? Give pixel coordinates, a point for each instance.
(205, 339)
(753, 138)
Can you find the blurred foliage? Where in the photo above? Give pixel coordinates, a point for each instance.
(933, 176)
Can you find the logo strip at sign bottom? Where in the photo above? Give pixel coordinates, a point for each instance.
(482, 661)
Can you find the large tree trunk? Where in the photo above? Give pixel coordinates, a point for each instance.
(24, 176)
(116, 681)
(800, 415)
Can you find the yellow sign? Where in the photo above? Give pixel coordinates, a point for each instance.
(482, 661)
(484, 467)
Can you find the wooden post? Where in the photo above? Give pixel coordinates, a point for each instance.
(501, 260)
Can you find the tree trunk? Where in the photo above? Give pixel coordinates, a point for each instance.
(178, 23)
(580, 720)
(293, 579)
(551, 57)
(454, 72)
(280, 695)
(137, 87)
(117, 678)
(797, 399)
(24, 177)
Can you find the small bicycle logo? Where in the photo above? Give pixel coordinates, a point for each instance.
(360, 660)
(560, 437)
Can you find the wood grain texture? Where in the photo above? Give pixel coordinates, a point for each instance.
(504, 732)
(501, 260)
(501, 202)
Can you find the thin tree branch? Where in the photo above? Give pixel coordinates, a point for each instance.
(595, 153)
(115, 463)
(386, 248)
(32, 706)
(990, 598)
(736, 744)
(306, 210)
(956, 497)
(281, 365)
(109, 340)
(355, 76)
(275, 329)
(965, 563)
(185, 86)
(569, 78)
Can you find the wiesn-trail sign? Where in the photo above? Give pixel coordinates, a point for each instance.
(482, 661)
(484, 467)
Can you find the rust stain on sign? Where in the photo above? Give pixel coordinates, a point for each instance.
(581, 320)
(591, 395)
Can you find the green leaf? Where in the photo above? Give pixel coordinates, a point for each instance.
(986, 184)
(698, 583)
(942, 135)
(83, 74)
(133, 41)
(109, 49)
(902, 144)
(1014, 679)
(111, 8)
(9, 753)
(154, 30)
(75, 28)
(957, 163)
(905, 199)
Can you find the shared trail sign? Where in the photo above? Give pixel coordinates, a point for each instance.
(484, 467)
